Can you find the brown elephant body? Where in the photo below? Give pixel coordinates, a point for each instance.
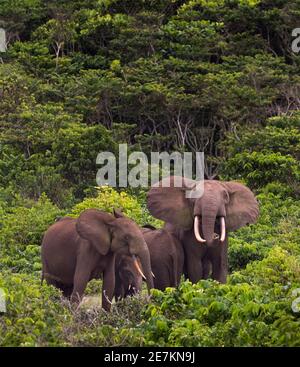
(167, 257)
(75, 251)
(201, 220)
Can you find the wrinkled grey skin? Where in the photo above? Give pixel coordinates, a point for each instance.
(75, 251)
(230, 200)
(167, 258)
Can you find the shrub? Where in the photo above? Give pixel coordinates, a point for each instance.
(277, 225)
(35, 315)
(240, 253)
(108, 199)
(248, 311)
(75, 151)
(267, 158)
(23, 226)
(21, 234)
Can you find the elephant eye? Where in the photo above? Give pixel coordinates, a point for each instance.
(126, 237)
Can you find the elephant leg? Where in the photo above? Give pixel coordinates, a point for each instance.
(108, 286)
(67, 290)
(163, 276)
(206, 268)
(83, 271)
(81, 278)
(218, 272)
(220, 264)
(194, 269)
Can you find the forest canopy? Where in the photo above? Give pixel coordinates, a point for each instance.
(159, 75)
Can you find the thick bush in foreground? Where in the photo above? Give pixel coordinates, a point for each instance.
(254, 309)
(35, 315)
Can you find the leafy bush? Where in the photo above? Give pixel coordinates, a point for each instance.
(253, 309)
(35, 315)
(23, 226)
(29, 177)
(75, 151)
(267, 158)
(109, 199)
(277, 225)
(21, 234)
(261, 168)
(240, 253)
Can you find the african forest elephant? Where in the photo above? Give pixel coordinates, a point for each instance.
(167, 258)
(202, 222)
(75, 251)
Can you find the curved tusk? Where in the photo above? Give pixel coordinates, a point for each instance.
(153, 274)
(136, 264)
(223, 229)
(196, 230)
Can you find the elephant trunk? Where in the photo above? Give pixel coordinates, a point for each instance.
(209, 215)
(144, 257)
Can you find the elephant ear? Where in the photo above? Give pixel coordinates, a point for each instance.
(93, 225)
(242, 208)
(170, 203)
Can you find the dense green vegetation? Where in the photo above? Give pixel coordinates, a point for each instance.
(81, 77)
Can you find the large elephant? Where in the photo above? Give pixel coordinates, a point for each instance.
(167, 258)
(202, 223)
(75, 251)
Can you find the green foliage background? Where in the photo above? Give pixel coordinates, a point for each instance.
(82, 77)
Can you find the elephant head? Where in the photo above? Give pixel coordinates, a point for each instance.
(128, 277)
(226, 206)
(116, 233)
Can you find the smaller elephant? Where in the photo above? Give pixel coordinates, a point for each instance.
(128, 277)
(167, 259)
(74, 251)
(167, 256)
